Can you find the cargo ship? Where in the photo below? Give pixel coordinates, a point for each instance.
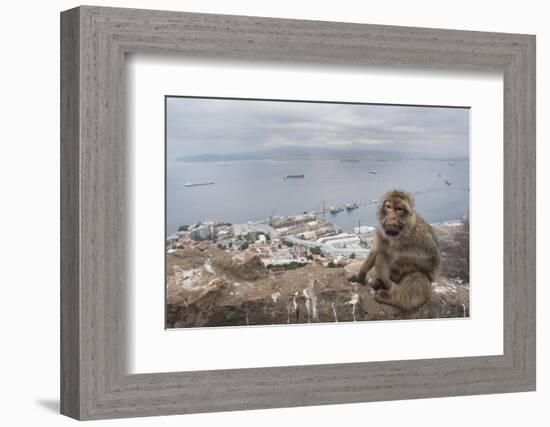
(352, 206)
(335, 210)
(195, 184)
(287, 175)
(373, 172)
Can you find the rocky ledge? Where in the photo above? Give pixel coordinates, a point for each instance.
(206, 287)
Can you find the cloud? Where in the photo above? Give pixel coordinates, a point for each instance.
(200, 125)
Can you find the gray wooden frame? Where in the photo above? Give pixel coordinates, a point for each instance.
(94, 41)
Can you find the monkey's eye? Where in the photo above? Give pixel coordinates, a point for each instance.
(399, 210)
(387, 206)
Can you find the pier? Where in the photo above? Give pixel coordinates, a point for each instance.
(337, 209)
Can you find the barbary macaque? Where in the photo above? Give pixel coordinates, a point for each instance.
(405, 254)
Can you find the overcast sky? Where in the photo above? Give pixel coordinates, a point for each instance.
(199, 126)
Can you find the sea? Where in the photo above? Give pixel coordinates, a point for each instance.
(253, 190)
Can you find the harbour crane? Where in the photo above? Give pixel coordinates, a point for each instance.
(324, 208)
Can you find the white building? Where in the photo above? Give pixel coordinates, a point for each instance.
(203, 232)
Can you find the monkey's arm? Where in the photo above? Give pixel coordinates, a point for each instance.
(383, 269)
(367, 266)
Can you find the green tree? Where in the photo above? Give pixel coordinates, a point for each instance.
(315, 250)
(184, 227)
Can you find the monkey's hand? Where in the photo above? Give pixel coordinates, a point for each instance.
(354, 278)
(378, 284)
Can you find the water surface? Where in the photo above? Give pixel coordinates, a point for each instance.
(253, 190)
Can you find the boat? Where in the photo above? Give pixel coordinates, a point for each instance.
(195, 184)
(351, 206)
(447, 182)
(287, 175)
(335, 210)
(373, 172)
(350, 160)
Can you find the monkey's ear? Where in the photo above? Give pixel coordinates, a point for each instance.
(411, 198)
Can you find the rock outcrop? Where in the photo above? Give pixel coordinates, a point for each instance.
(206, 287)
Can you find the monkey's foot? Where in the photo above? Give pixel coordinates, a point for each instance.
(382, 296)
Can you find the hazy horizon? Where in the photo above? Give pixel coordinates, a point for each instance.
(201, 126)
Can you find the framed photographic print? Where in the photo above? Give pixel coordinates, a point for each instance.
(347, 210)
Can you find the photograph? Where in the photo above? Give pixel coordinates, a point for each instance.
(286, 212)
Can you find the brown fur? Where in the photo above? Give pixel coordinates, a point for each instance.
(405, 254)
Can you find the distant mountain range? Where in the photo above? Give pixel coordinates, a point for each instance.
(317, 153)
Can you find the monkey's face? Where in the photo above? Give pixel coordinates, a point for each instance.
(396, 215)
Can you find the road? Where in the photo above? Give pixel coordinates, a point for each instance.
(326, 247)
